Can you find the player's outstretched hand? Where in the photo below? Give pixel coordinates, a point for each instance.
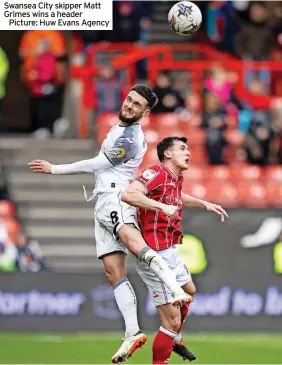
(216, 209)
(170, 210)
(41, 166)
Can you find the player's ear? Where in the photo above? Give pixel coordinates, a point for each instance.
(167, 154)
(146, 112)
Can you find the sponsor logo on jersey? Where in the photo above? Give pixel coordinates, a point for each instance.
(149, 174)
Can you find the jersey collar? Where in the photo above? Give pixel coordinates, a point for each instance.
(171, 172)
(121, 124)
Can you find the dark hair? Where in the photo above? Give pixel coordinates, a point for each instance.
(147, 93)
(166, 143)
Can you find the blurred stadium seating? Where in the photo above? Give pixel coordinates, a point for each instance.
(233, 185)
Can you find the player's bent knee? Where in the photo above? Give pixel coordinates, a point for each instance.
(133, 245)
(115, 269)
(131, 238)
(114, 276)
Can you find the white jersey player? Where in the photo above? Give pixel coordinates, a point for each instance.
(116, 227)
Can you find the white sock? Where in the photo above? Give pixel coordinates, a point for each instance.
(127, 304)
(177, 338)
(159, 266)
(169, 333)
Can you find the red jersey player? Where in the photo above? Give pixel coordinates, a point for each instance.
(158, 195)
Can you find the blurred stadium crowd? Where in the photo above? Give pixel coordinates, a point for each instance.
(225, 130)
(17, 251)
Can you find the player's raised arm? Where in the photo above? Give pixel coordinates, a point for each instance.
(85, 166)
(124, 149)
(192, 202)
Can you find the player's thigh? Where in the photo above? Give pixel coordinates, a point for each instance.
(132, 239)
(170, 317)
(189, 288)
(106, 242)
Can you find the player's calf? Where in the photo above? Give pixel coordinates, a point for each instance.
(179, 347)
(170, 317)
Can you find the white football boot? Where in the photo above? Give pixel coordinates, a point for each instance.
(128, 347)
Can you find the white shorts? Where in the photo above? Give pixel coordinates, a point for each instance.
(159, 292)
(110, 214)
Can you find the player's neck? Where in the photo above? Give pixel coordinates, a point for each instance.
(172, 168)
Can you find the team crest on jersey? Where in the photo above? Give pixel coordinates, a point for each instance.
(149, 174)
(121, 152)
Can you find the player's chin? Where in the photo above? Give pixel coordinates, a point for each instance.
(127, 118)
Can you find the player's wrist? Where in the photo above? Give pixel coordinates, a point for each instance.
(203, 204)
(160, 206)
(200, 203)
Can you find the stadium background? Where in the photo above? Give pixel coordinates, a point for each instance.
(222, 89)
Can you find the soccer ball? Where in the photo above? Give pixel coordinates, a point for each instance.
(185, 18)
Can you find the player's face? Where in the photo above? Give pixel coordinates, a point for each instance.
(133, 108)
(180, 155)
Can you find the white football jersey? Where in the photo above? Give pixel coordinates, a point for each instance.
(124, 147)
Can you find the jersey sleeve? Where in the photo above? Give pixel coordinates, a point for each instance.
(151, 179)
(124, 149)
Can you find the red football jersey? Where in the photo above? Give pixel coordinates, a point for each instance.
(159, 231)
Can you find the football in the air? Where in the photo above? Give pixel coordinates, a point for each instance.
(185, 18)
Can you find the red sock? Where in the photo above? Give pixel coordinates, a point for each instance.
(162, 346)
(184, 312)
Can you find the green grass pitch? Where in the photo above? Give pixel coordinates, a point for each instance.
(98, 348)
